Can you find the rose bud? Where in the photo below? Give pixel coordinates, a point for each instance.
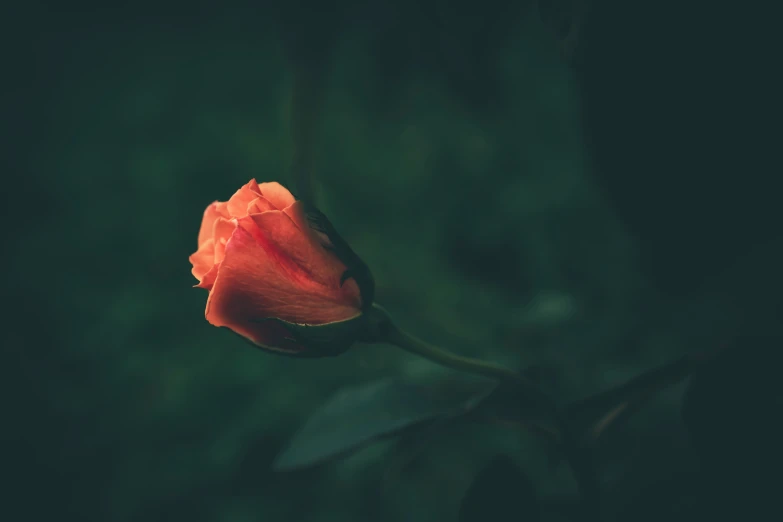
(279, 275)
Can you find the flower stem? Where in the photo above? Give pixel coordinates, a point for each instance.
(412, 344)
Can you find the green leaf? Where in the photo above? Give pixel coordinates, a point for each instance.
(522, 407)
(359, 415)
(500, 492)
(592, 417)
(595, 415)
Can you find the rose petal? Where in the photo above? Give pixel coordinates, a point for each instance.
(214, 210)
(258, 205)
(309, 263)
(255, 282)
(223, 229)
(297, 214)
(202, 260)
(237, 205)
(276, 194)
(209, 278)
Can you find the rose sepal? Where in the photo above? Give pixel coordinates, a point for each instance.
(319, 340)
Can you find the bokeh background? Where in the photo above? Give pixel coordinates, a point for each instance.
(590, 187)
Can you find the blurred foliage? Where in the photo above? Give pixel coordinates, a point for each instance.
(500, 491)
(356, 416)
(448, 149)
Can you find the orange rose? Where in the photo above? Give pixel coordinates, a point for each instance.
(275, 268)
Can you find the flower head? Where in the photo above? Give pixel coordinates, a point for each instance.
(273, 266)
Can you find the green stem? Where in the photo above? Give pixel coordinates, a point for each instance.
(412, 344)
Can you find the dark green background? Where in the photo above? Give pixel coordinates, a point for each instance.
(597, 212)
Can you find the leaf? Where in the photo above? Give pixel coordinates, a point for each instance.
(359, 415)
(412, 445)
(528, 408)
(595, 415)
(500, 492)
(516, 406)
(591, 417)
